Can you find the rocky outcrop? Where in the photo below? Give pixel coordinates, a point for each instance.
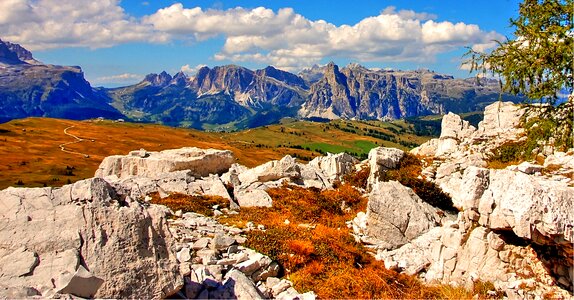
(516, 225)
(93, 239)
(395, 215)
(199, 162)
(216, 266)
(84, 239)
(334, 166)
(528, 205)
(462, 253)
(380, 160)
(458, 138)
(250, 185)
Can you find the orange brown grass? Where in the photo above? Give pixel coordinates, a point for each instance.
(322, 256)
(31, 154)
(198, 204)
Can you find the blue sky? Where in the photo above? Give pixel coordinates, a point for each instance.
(118, 42)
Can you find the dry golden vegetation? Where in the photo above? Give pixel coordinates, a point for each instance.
(198, 204)
(307, 234)
(408, 174)
(31, 155)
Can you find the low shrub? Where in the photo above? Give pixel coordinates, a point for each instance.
(198, 204)
(359, 178)
(507, 154)
(551, 125)
(408, 174)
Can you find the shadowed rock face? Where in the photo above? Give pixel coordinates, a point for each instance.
(7, 55)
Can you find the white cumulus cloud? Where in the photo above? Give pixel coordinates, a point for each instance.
(44, 24)
(189, 70)
(119, 78)
(282, 38)
(289, 40)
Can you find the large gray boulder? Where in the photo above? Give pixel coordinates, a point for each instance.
(533, 207)
(501, 119)
(200, 162)
(530, 206)
(54, 239)
(396, 215)
(334, 166)
(287, 167)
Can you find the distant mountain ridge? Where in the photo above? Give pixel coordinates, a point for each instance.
(29, 88)
(233, 97)
(361, 93)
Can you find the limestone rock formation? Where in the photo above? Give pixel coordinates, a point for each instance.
(334, 166)
(501, 124)
(201, 162)
(380, 160)
(396, 215)
(84, 234)
(516, 224)
(93, 239)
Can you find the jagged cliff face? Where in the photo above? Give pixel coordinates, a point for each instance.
(249, 88)
(357, 92)
(214, 96)
(30, 88)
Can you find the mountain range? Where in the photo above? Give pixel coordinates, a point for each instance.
(231, 97)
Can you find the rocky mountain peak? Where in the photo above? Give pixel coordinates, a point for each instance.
(8, 55)
(356, 67)
(160, 80)
(179, 79)
(223, 78)
(333, 75)
(23, 53)
(282, 76)
(312, 74)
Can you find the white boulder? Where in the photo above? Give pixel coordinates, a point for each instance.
(200, 162)
(396, 215)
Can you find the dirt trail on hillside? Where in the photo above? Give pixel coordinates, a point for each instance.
(77, 140)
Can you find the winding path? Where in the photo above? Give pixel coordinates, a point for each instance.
(77, 140)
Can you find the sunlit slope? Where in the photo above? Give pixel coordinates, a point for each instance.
(31, 154)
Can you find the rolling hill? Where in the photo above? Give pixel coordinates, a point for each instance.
(32, 155)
